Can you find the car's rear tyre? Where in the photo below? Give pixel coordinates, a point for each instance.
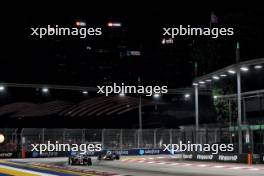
(117, 157)
(70, 161)
(89, 161)
(99, 157)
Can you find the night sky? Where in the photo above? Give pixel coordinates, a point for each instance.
(66, 60)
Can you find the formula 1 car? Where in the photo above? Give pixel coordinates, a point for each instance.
(80, 159)
(108, 156)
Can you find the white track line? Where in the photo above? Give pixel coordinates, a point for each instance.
(202, 165)
(236, 168)
(174, 164)
(188, 164)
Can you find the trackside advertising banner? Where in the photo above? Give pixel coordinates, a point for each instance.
(224, 157)
(230, 157)
(8, 155)
(35, 154)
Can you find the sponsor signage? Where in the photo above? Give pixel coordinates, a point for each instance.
(141, 152)
(231, 157)
(209, 157)
(187, 156)
(8, 154)
(120, 152)
(35, 154)
(228, 158)
(204, 157)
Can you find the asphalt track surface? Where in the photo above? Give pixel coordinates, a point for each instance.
(144, 166)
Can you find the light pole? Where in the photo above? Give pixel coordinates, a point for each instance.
(239, 120)
(139, 118)
(230, 117)
(196, 112)
(244, 111)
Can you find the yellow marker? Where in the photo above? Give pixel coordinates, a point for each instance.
(48, 169)
(15, 173)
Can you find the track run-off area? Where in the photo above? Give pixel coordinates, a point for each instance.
(158, 165)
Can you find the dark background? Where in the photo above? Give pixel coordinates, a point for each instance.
(66, 60)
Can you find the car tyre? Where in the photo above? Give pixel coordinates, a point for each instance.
(89, 161)
(70, 161)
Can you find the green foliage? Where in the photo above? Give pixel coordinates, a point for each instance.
(221, 105)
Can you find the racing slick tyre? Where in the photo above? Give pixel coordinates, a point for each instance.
(70, 161)
(117, 157)
(89, 162)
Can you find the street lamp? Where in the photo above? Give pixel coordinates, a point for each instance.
(156, 95)
(244, 69)
(258, 67)
(45, 90)
(114, 24)
(187, 96)
(85, 92)
(216, 77)
(80, 23)
(2, 88)
(232, 72)
(223, 75)
(2, 138)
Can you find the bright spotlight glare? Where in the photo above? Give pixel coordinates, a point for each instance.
(208, 80)
(2, 138)
(80, 23)
(258, 66)
(245, 69)
(216, 77)
(156, 95)
(187, 95)
(121, 94)
(231, 71)
(223, 75)
(45, 90)
(215, 97)
(85, 92)
(111, 24)
(2, 88)
(195, 84)
(202, 82)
